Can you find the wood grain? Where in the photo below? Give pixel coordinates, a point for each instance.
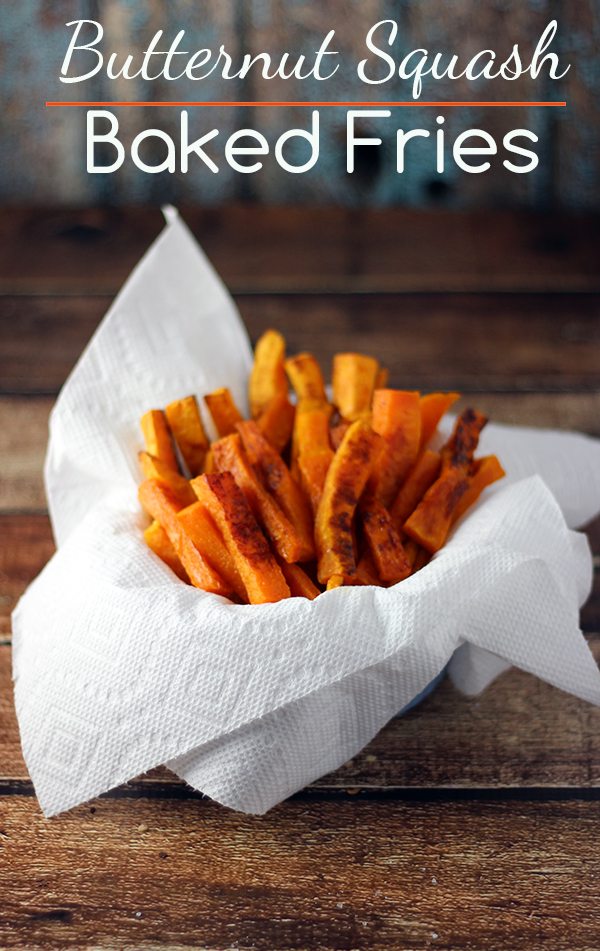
(326, 250)
(539, 342)
(490, 876)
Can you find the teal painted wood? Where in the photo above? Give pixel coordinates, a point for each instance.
(42, 152)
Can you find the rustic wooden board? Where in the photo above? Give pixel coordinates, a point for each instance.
(24, 433)
(325, 250)
(487, 876)
(519, 733)
(539, 342)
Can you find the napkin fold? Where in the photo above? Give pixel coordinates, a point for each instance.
(119, 667)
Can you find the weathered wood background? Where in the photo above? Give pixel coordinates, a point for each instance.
(467, 824)
(42, 152)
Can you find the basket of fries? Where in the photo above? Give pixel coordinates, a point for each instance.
(247, 587)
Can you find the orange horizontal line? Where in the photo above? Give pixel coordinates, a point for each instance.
(277, 105)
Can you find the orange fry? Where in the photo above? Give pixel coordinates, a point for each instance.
(382, 378)
(397, 419)
(433, 407)
(344, 484)
(461, 446)
(224, 412)
(280, 482)
(276, 422)
(186, 425)
(423, 474)
(336, 581)
(299, 583)
(337, 433)
(229, 456)
(366, 571)
(161, 504)
(267, 378)
(157, 437)
(305, 375)
(157, 539)
(383, 540)
(208, 540)
(430, 522)
(354, 376)
(227, 505)
(154, 468)
(313, 468)
(486, 471)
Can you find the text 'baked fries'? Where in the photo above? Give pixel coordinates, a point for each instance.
(309, 495)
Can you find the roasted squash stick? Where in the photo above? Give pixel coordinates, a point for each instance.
(161, 504)
(276, 422)
(267, 378)
(305, 375)
(431, 521)
(299, 583)
(229, 456)
(422, 475)
(383, 541)
(208, 540)
(158, 541)
(225, 414)
(485, 472)
(433, 407)
(314, 452)
(344, 484)
(154, 468)
(186, 425)
(397, 419)
(353, 383)
(280, 482)
(227, 505)
(157, 437)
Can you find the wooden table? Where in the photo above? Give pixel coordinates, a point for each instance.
(466, 824)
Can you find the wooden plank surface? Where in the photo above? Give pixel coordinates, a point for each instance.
(325, 250)
(312, 874)
(540, 341)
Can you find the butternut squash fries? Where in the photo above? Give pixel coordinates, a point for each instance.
(307, 495)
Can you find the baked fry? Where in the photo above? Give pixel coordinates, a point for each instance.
(153, 468)
(161, 504)
(227, 505)
(353, 382)
(344, 484)
(305, 375)
(186, 425)
(423, 474)
(383, 540)
(366, 571)
(460, 448)
(158, 541)
(268, 378)
(433, 407)
(229, 456)
(299, 583)
(225, 414)
(397, 419)
(208, 540)
(276, 422)
(279, 481)
(157, 437)
(430, 522)
(485, 472)
(382, 378)
(337, 433)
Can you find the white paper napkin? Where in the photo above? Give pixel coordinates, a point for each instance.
(120, 667)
